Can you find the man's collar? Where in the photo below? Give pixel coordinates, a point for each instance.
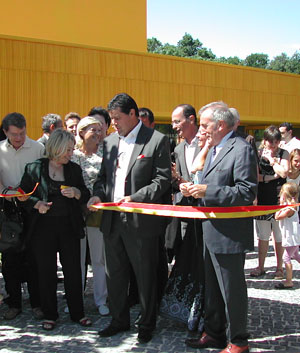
(133, 133)
(26, 144)
(224, 139)
(194, 142)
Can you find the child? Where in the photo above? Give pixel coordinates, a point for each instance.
(289, 225)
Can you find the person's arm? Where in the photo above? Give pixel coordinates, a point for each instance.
(284, 213)
(280, 166)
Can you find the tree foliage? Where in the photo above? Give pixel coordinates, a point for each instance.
(257, 60)
(188, 47)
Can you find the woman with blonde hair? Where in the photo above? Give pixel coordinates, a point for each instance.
(56, 224)
(294, 171)
(88, 154)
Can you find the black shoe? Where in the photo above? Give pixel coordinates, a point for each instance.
(112, 330)
(144, 335)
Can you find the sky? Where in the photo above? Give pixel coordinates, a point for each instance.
(228, 27)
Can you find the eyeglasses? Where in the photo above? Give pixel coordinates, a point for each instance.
(94, 131)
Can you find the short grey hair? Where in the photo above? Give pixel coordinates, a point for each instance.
(58, 143)
(220, 111)
(235, 114)
(50, 119)
(213, 106)
(225, 115)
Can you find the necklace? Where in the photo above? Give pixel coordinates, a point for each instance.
(54, 171)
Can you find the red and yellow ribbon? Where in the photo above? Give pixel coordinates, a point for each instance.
(20, 192)
(189, 211)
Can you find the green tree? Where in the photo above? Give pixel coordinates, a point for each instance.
(170, 49)
(188, 46)
(205, 54)
(279, 63)
(257, 60)
(154, 45)
(293, 65)
(233, 60)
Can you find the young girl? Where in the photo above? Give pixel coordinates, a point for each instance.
(289, 225)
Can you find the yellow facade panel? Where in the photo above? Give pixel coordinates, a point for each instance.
(90, 22)
(41, 77)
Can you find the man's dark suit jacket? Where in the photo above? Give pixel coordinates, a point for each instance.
(148, 179)
(231, 181)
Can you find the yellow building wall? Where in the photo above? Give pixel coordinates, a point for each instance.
(119, 24)
(37, 78)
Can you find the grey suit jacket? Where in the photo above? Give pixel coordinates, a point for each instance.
(231, 181)
(148, 179)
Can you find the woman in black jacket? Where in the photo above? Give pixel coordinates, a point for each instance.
(56, 224)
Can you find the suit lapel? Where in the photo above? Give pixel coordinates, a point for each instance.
(227, 147)
(141, 139)
(181, 157)
(112, 146)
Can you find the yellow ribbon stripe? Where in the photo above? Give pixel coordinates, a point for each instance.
(20, 193)
(190, 211)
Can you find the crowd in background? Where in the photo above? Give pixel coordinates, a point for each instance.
(76, 165)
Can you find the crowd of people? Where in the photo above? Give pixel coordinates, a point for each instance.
(77, 164)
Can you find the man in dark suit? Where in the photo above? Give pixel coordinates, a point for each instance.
(184, 122)
(229, 179)
(136, 167)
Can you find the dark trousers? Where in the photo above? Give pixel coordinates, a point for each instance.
(52, 235)
(123, 246)
(162, 275)
(19, 267)
(226, 302)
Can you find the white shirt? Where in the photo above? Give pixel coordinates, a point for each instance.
(13, 162)
(291, 145)
(125, 149)
(189, 152)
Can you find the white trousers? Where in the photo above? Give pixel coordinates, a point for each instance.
(96, 247)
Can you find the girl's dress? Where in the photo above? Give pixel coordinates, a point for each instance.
(290, 229)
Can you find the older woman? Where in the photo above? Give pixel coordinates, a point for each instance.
(88, 154)
(57, 224)
(273, 170)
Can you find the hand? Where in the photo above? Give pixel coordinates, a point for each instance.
(22, 198)
(71, 192)
(42, 206)
(197, 190)
(184, 189)
(126, 199)
(92, 201)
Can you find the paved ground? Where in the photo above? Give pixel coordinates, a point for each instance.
(274, 324)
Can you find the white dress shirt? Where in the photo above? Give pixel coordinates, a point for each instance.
(189, 150)
(125, 149)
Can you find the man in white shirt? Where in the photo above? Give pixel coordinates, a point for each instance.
(288, 142)
(136, 167)
(184, 122)
(15, 152)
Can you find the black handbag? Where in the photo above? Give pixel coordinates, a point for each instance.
(11, 226)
